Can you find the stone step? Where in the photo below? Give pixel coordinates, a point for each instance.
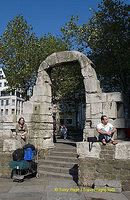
(61, 149)
(72, 171)
(64, 146)
(57, 175)
(64, 154)
(59, 158)
(57, 163)
(66, 142)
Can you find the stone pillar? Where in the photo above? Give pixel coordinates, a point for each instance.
(38, 113)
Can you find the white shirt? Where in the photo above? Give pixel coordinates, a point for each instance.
(108, 127)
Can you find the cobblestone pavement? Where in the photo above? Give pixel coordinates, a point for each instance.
(48, 188)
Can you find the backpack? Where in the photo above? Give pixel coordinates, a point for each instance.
(28, 154)
(22, 164)
(29, 146)
(18, 154)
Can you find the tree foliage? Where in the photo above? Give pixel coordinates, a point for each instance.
(67, 83)
(105, 39)
(21, 53)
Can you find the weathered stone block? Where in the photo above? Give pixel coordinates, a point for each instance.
(122, 151)
(118, 123)
(47, 143)
(88, 133)
(96, 98)
(83, 149)
(37, 108)
(67, 56)
(41, 99)
(29, 107)
(43, 66)
(52, 60)
(43, 77)
(110, 109)
(44, 90)
(5, 159)
(6, 133)
(11, 145)
(95, 122)
(87, 70)
(120, 110)
(8, 118)
(114, 96)
(96, 110)
(88, 114)
(40, 126)
(91, 85)
(38, 118)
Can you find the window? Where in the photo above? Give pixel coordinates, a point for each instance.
(69, 121)
(2, 111)
(5, 84)
(0, 72)
(13, 111)
(1, 76)
(4, 93)
(13, 92)
(61, 121)
(17, 94)
(69, 118)
(7, 102)
(0, 84)
(13, 102)
(6, 111)
(61, 118)
(2, 102)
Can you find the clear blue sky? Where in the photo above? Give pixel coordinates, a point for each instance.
(45, 15)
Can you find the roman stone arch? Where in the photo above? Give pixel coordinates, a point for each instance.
(38, 110)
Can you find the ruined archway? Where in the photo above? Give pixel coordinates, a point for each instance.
(39, 108)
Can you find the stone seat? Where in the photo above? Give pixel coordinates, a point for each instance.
(10, 145)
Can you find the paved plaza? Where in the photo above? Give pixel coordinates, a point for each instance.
(50, 188)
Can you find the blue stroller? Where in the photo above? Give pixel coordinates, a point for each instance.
(23, 165)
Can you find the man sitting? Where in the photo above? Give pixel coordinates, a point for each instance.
(106, 131)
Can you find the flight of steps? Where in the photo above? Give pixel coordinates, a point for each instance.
(62, 161)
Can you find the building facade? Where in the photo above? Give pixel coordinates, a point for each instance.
(10, 102)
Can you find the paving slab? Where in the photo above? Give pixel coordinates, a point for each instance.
(50, 188)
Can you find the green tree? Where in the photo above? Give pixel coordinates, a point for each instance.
(49, 44)
(21, 53)
(105, 39)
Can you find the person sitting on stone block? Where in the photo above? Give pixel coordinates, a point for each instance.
(106, 131)
(21, 130)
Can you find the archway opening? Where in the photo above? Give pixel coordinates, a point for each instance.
(68, 97)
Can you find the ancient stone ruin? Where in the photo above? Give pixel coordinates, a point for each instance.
(38, 110)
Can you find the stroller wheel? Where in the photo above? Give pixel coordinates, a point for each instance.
(37, 175)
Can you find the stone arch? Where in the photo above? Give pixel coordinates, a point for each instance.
(39, 110)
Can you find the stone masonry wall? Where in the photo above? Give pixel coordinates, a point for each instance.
(107, 164)
(110, 104)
